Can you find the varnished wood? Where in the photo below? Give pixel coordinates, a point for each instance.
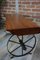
(19, 25)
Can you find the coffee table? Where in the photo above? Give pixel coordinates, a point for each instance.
(19, 25)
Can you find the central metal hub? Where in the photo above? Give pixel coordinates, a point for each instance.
(22, 44)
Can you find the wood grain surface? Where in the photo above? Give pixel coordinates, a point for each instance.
(19, 25)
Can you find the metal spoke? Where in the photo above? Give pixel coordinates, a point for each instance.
(14, 42)
(22, 50)
(18, 38)
(29, 46)
(22, 38)
(28, 40)
(10, 37)
(15, 49)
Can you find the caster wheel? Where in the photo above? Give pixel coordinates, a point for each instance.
(21, 45)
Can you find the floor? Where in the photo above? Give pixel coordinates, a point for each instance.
(4, 55)
(36, 54)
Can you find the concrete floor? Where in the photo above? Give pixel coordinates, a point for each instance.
(36, 54)
(4, 55)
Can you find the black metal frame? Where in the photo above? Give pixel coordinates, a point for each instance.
(22, 44)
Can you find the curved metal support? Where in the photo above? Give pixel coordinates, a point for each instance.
(22, 45)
